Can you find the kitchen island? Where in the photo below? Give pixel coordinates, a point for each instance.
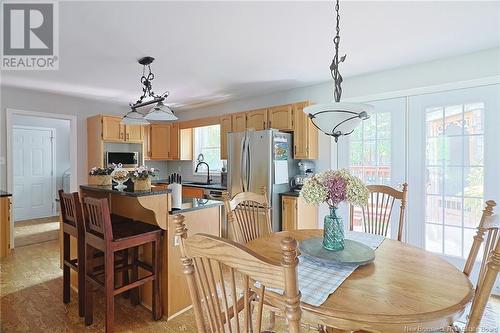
(154, 207)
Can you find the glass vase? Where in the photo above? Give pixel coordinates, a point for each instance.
(333, 232)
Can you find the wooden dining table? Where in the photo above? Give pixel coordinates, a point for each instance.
(406, 289)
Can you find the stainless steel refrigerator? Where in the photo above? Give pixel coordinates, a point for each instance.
(257, 158)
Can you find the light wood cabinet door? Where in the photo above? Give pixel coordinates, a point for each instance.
(133, 133)
(174, 142)
(112, 129)
(5, 206)
(280, 117)
(288, 213)
(186, 144)
(257, 119)
(239, 122)
(192, 192)
(160, 141)
(305, 134)
(146, 143)
(225, 128)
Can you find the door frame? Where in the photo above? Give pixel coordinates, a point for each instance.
(73, 153)
(53, 159)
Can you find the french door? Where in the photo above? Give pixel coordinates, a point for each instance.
(446, 145)
(453, 159)
(376, 151)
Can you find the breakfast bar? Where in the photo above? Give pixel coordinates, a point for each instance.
(154, 207)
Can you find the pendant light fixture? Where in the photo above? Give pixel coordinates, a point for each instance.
(160, 112)
(337, 118)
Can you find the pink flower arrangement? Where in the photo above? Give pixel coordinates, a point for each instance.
(334, 187)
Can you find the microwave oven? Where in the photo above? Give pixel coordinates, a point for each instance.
(126, 159)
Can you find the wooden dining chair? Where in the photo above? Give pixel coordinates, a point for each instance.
(377, 213)
(211, 265)
(248, 214)
(489, 226)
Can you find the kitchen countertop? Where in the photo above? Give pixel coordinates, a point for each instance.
(4, 194)
(213, 186)
(191, 204)
(155, 190)
(290, 194)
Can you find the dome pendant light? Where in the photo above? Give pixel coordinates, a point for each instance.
(337, 118)
(160, 112)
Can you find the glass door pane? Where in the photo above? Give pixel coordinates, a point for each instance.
(376, 152)
(453, 155)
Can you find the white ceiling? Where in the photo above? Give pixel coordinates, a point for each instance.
(208, 52)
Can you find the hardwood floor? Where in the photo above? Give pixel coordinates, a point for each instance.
(31, 300)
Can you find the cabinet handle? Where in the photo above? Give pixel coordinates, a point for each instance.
(264, 124)
(269, 124)
(294, 150)
(128, 136)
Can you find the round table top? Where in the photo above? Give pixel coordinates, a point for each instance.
(404, 287)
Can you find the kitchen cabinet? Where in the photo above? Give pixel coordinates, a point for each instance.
(134, 133)
(192, 192)
(296, 214)
(146, 144)
(5, 205)
(305, 134)
(160, 141)
(281, 118)
(113, 130)
(257, 120)
(175, 147)
(186, 144)
(239, 122)
(226, 126)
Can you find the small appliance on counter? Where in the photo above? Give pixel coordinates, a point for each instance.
(305, 171)
(174, 183)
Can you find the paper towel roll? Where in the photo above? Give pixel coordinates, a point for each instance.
(176, 195)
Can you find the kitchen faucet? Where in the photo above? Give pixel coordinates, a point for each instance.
(208, 170)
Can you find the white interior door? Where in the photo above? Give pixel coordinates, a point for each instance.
(33, 172)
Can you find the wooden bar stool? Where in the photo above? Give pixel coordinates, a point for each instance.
(101, 235)
(73, 225)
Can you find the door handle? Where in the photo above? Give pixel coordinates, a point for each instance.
(242, 160)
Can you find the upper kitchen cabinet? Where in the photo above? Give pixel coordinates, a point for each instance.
(305, 134)
(160, 137)
(175, 148)
(146, 145)
(281, 117)
(225, 127)
(113, 130)
(257, 120)
(239, 122)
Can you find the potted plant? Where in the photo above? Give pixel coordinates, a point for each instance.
(101, 176)
(141, 177)
(334, 187)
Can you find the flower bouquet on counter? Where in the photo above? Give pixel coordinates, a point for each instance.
(334, 187)
(141, 177)
(101, 176)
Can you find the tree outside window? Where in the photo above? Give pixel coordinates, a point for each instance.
(207, 142)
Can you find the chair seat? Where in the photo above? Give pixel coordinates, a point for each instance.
(129, 229)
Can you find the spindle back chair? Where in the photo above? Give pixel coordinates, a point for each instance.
(248, 214)
(377, 213)
(213, 267)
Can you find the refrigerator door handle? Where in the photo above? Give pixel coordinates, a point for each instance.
(248, 166)
(242, 162)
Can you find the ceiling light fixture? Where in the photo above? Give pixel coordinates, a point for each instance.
(160, 112)
(338, 118)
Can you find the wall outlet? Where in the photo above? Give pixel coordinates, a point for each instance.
(2, 160)
(177, 240)
(179, 169)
